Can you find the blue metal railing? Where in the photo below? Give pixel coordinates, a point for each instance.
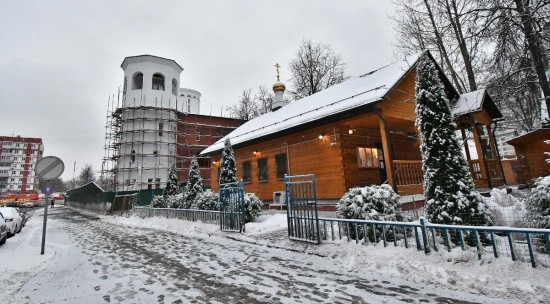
(205, 216)
(523, 244)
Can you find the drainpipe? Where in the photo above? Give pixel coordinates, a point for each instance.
(498, 154)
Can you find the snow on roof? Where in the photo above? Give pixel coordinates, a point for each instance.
(468, 102)
(345, 96)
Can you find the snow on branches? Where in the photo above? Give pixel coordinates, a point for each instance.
(448, 186)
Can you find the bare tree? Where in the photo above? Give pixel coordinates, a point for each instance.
(246, 108)
(56, 185)
(447, 28)
(264, 100)
(86, 175)
(315, 68)
(529, 24)
(500, 44)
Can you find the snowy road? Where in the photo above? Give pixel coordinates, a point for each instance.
(96, 261)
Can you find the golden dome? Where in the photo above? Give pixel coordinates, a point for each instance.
(279, 86)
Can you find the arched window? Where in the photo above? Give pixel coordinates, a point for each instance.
(137, 81)
(174, 86)
(158, 82)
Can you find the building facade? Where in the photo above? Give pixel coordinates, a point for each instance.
(155, 125)
(18, 158)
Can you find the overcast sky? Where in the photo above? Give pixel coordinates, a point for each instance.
(60, 60)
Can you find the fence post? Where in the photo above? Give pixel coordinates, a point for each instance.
(424, 234)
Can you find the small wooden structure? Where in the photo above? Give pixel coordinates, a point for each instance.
(356, 133)
(530, 151)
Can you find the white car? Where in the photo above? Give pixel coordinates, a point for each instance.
(3, 230)
(14, 222)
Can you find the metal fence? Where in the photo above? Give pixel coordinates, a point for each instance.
(205, 216)
(519, 244)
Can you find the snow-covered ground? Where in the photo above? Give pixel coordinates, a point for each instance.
(29, 277)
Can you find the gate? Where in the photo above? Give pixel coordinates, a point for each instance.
(301, 206)
(232, 207)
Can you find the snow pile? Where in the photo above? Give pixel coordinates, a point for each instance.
(267, 223)
(457, 270)
(505, 209)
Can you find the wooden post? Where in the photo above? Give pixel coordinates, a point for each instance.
(466, 146)
(492, 142)
(480, 154)
(387, 153)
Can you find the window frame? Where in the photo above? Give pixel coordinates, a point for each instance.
(247, 171)
(156, 83)
(262, 172)
(368, 157)
(137, 85)
(280, 173)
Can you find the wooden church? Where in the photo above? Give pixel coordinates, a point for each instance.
(357, 133)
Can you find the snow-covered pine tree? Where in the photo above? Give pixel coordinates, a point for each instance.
(172, 187)
(448, 186)
(194, 184)
(228, 168)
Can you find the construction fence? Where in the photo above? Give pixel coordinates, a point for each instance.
(91, 197)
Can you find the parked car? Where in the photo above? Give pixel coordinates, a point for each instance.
(3, 230)
(14, 221)
(28, 205)
(12, 204)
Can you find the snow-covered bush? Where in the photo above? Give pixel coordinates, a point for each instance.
(538, 208)
(170, 201)
(252, 207)
(538, 204)
(370, 203)
(207, 201)
(158, 202)
(174, 201)
(374, 202)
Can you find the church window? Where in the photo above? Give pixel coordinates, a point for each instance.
(174, 86)
(158, 82)
(137, 81)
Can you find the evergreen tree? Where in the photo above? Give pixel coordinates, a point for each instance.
(448, 186)
(194, 184)
(228, 168)
(172, 187)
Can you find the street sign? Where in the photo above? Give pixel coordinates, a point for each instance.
(49, 167)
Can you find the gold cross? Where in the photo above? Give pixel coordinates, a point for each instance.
(277, 66)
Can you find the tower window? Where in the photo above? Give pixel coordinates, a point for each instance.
(133, 156)
(137, 81)
(158, 82)
(157, 183)
(174, 86)
(123, 90)
(161, 127)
